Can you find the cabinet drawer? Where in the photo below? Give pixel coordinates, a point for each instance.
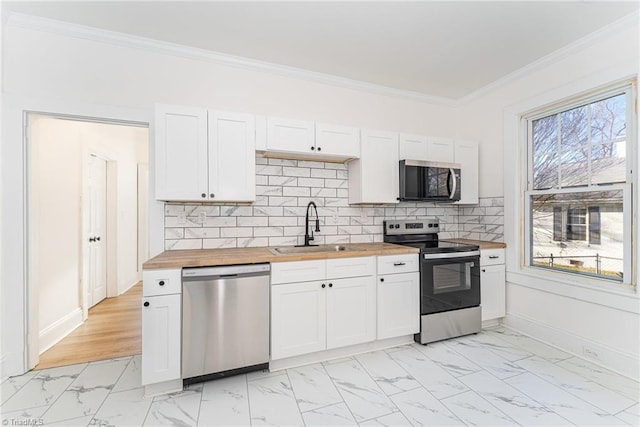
(491, 256)
(351, 267)
(389, 264)
(161, 282)
(297, 271)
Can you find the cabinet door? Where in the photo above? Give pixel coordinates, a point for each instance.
(466, 154)
(413, 147)
(492, 291)
(338, 141)
(161, 338)
(181, 153)
(298, 319)
(351, 311)
(290, 136)
(398, 305)
(374, 177)
(232, 157)
(440, 150)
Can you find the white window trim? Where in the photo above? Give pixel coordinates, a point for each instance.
(515, 180)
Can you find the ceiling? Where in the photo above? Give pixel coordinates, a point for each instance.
(442, 49)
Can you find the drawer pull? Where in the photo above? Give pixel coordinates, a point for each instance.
(493, 257)
(382, 279)
(397, 264)
(161, 283)
(146, 304)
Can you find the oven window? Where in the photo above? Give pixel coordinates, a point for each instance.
(452, 277)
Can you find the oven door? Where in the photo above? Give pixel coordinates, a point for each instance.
(449, 281)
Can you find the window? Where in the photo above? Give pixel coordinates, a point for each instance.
(578, 195)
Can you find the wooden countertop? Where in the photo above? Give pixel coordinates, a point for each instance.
(482, 243)
(211, 257)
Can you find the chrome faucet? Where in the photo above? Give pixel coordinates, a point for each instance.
(308, 238)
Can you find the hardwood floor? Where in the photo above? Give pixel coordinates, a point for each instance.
(112, 330)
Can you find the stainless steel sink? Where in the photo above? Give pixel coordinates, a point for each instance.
(292, 250)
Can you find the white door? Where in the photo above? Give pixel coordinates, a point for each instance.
(298, 319)
(97, 205)
(351, 311)
(379, 167)
(398, 305)
(161, 338)
(492, 291)
(232, 157)
(466, 154)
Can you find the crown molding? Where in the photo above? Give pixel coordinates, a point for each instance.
(553, 57)
(31, 22)
(150, 45)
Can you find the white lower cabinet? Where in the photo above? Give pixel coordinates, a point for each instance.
(161, 338)
(492, 284)
(398, 308)
(298, 319)
(351, 311)
(330, 312)
(398, 304)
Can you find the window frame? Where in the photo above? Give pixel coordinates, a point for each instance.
(527, 191)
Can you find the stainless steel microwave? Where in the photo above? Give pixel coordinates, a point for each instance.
(429, 181)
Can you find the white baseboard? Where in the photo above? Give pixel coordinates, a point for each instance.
(623, 363)
(62, 327)
(11, 364)
(337, 353)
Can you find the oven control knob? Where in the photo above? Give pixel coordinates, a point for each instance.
(390, 225)
(430, 225)
(435, 225)
(397, 225)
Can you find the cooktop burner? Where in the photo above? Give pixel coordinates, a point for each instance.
(422, 234)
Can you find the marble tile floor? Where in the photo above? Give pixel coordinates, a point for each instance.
(498, 377)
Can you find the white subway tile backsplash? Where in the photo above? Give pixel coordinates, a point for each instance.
(277, 217)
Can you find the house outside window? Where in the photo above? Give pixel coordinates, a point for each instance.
(578, 196)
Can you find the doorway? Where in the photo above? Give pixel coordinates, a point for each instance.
(84, 222)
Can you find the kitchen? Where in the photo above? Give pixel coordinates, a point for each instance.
(565, 316)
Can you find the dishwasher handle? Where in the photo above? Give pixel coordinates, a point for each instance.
(226, 271)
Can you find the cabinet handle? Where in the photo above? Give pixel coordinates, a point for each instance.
(92, 239)
(313, 148)
(98, 239)
(204, 195)
(493, 257)
(319, 148)
(161, 283)
(323, 285)
(212, 195)
(331, 285)
(382, 279)
(396, 264)
(146, 304)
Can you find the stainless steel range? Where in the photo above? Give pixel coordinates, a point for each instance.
(449, 280)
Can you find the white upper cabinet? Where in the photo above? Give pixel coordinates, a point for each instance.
(290, 136)
(466, 154)
(413, 147)
(338, 141)
(204, 157)
(298, 139)
(440, 150)
(181, 153)
(373, 178)
(232, 166)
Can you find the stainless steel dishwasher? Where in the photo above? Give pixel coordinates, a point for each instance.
(225, 321)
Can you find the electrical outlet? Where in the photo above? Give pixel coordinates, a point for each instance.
(334, 216)
(363, 215)
(591, 353)
(202, 217)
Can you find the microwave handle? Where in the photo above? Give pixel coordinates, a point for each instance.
(452, 177)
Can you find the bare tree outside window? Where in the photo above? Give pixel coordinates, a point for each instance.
(577, 225)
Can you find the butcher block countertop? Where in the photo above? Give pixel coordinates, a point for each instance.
(482, 243)
(212, 257)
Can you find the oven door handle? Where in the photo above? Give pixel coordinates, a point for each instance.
(451, 255)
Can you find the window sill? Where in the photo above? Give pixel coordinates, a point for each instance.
(601, 292)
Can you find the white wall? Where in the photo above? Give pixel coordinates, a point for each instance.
(59, 149)
(569, 313)
(84, 76)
